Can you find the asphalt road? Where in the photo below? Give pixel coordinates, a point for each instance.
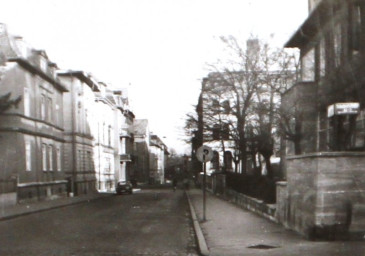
(149, 222)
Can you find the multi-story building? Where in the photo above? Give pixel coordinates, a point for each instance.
(325, 178)
(31, 134)
(69, 133)
(158, 159)
(141, 147)
(104, 129)
(78, 148)
(125, 134)
(218, 137)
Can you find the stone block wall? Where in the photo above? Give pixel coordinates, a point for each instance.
(323, 189)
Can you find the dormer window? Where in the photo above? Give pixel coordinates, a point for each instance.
(43, 63)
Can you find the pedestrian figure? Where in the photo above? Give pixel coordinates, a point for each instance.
(174, 183)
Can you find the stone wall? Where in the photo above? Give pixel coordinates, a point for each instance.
(252, 204)
(325, 192)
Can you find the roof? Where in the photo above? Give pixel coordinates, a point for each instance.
(11, 50)
(140, 126)
(311, 25)
(27, 65)
(82, 76)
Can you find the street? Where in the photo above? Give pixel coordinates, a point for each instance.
(149, 222)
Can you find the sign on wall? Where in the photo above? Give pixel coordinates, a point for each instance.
(344, 108)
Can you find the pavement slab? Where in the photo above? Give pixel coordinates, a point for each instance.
(232, 230)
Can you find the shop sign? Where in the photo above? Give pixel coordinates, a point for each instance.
(343, 108)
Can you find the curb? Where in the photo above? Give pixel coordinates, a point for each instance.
(49, 207)
(203, 248)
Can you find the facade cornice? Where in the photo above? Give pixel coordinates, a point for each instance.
(26, 131)
(35, 70)
(33, 119)
(82, 76)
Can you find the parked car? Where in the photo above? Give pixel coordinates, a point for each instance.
(124, 187)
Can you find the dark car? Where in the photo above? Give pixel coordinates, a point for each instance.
(124, 187)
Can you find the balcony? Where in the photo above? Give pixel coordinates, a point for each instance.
(125, 157)
(124, 133)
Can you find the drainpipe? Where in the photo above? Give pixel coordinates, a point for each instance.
(73, 130)
(99, 183)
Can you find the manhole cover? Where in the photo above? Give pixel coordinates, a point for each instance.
(262, 246)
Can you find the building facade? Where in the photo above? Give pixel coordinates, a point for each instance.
(125, 135)
(104, 130)
(158, 159)
(31, 135)
(79, 142)
(69, 134)
(142, 150)
(325, 178)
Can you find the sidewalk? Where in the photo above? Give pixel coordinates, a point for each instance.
(231, 230)
(29, 208)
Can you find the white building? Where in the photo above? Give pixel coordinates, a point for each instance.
(158, 158)
(104, 129)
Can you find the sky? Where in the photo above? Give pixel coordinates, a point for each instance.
(157, 49)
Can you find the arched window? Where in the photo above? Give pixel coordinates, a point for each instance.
(228, 160)
(215, 160)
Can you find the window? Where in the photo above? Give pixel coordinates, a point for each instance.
(57, 121)
(50, 158)
(104, 137)
(228, 160)
(107, 168)
(28, 156)
(215, 160)
(216, 132)
(26, 102)
(49, 109)
(43, 63)
(44, 157)
(355, 28)
(43, 107)
(308, 66)
(225, 131)
(109, 136)
(322, 58)
(58, 155)
(89, 159)
(337, 44)
(79, 160)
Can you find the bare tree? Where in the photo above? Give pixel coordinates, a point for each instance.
(251, 81)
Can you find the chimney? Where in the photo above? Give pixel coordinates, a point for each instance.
(253, 49)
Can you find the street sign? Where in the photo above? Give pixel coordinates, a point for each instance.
(204, 153)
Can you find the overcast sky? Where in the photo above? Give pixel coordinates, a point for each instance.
(158, 49)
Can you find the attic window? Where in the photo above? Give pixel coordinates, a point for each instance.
(43, 64)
